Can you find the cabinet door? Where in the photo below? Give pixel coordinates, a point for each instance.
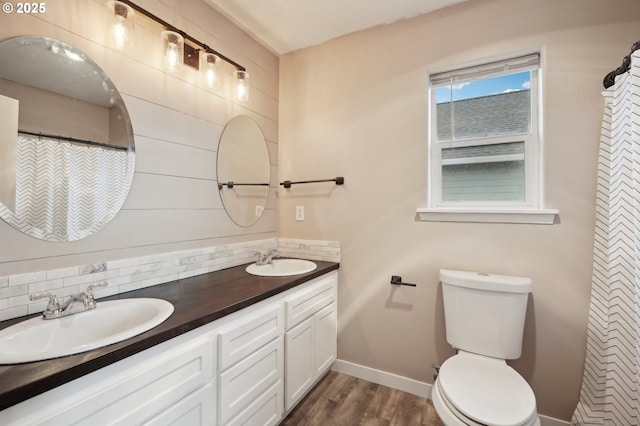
(300, 370)
(195, 409)
(326, 338)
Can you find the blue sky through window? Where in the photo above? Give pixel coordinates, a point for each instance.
(485, 87)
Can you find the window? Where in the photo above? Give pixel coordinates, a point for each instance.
(484, 140)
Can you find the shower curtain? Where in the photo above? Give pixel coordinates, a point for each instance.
(67, 190)
(610, 386)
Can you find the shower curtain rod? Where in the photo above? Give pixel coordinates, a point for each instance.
(610, 78)
(74, 140)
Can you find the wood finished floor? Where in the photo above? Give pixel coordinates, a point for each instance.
(341, 400)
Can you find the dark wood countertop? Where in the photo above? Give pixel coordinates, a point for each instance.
(197, 301)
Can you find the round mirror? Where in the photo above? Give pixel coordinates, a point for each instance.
(243, 170)
(66, 143)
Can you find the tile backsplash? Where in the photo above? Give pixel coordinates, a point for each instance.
(134, 273)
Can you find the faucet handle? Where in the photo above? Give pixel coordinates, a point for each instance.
(87, 295)
(37, 296)
(92, 286)
(89, 291)
(53, 307)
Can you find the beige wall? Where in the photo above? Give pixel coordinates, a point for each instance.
(174, 202)
(356, 107)
(42, 111)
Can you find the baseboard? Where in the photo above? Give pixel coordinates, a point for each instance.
(383, 378)
(405, 384)
(550, 421)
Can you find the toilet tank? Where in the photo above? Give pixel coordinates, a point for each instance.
(484, 313)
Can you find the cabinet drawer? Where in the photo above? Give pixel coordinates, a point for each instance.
(245, 336)
(307, 302)
(242, 384)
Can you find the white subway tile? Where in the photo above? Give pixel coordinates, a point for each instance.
(92, 269)
(31, 277)
(34, 308)
(13, 291)
(77, 280)
(18, 301)
(105, 291)
(133, 273)
(63, 273)
(50, 286)
(16, 312)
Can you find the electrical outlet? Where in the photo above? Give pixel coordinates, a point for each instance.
(299, 213)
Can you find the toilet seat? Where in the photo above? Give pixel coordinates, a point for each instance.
(485, 391)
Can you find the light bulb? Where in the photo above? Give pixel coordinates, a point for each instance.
(173, 48)
(209, 65)
(119, 32)
(242, 86)
(122, 25)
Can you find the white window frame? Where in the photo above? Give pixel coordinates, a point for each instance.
(528, 211)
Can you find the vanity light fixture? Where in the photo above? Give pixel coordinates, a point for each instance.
(172, 50)
(122, 24)
(242, 86)
(209, 66)
(179, 47)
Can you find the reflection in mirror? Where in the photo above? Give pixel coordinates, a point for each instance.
(66, 142)
(243, 170)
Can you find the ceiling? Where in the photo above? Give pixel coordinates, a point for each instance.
(288, 25)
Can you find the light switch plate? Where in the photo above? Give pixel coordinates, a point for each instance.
(299, 213)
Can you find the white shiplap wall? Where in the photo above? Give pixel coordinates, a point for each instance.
(173, 204)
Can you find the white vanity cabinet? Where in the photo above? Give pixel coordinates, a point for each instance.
(311, 336)
(172, 382)
(247, 368)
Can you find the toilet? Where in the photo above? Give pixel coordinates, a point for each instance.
(484, 321)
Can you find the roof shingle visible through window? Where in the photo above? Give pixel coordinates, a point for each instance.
(486, 116)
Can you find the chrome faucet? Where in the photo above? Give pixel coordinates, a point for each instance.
(77, 303)
(266, 259)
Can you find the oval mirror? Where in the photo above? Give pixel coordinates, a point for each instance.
(66, 142)
(243, 170)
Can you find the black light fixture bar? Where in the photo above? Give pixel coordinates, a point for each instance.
(186, 36)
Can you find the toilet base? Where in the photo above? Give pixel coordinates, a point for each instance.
(447, 415)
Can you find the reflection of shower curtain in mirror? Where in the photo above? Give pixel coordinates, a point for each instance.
(66, 189)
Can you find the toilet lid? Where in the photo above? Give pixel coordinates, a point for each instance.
(486, 390)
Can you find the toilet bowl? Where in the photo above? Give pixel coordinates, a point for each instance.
(484, 321)
(477, 390)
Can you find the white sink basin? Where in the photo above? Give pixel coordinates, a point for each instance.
(282, 268)
(110, 322)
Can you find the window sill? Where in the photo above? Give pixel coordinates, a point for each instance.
(531, 216)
